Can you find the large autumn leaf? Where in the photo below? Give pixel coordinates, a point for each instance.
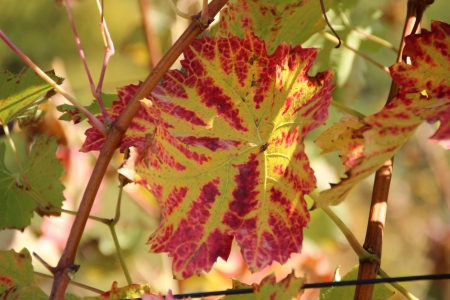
(276, 22)
(366, 144)
(221, 148)
(269, 288)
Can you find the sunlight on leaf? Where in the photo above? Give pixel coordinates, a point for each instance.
(23, 92)
(291, 22)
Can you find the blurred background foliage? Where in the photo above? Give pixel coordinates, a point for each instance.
(417, 235)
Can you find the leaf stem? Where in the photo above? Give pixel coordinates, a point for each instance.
(119, 253)
(177, 11)
(368, 36)
(16, 156)
(347, 110)
(114, 221)
(362, 253)
(335, 40)
(94, 121)
(397, 286)
(375, 39)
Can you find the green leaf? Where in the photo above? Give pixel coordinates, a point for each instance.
(127, 292)
(380, 292)
(20, 93)
(269, 288)
(17, 277)
(288, 21)
(71, 113)
(43, 171)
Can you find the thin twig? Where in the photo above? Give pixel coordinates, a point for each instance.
(347, 110)
(368, 36)
(118, 129)
(75, 283)
(329, 25)
(44, 263)
(334, 40)
(94, 121)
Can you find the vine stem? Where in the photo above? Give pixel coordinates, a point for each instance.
(378, 207)
(94, 121)
(117, 130)
(362, 253)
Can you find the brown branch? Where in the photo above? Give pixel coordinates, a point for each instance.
(377, 216)
(118, 128)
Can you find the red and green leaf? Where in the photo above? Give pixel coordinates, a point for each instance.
(367, 144)
(430, 72)
(17, 277)
(276, 22)
(221, 148)
(127, 292)
(269, 288)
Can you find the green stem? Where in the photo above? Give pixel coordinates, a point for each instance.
(83, 286)
(347, 110)
(356, 246)
(336, 41)
(114, 222)
(74, 213)
(119, 253)
(16, 156)
(397, 286)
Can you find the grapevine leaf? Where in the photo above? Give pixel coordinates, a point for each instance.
(20, 93)
(16, 276)
(273, 21)
(429, 52)
(367, 144)
(71, 113)
(430, 55)
(380, 292)
(288, 288)
(424, 95)
(43, 171)
(127, 292)
(221, 148)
